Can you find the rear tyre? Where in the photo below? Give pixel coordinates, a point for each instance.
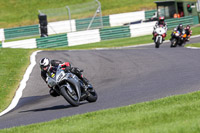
(72, 98)
(92, 96)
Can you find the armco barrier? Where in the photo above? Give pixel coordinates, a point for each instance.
(149, 14)
(23, 31)
(28, 43)
(82, 24)
(52, 41)
(188, 20)
(195, 20)
(61, 27)
(124, 18)
(116, 32)
(2, 36)
(83, 37)
(142, 29)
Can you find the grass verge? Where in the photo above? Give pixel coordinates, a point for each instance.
(194, 45)
(13, 65)
(175, 114)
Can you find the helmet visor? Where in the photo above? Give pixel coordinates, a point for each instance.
(44, 68)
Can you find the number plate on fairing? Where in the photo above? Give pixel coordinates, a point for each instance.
(60, 76)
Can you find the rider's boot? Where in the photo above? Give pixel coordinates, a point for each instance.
(87, 84)
(53, 93)
(80, 75)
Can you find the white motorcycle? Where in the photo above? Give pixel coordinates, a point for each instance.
(159, 35)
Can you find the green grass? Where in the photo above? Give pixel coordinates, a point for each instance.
(25, 12)
(194, 45)
(13, 65)
(175, 114)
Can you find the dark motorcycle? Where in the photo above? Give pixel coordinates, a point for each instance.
(178, 38)
(70, 87)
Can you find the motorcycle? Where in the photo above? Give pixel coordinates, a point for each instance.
(178, 38)
(159, 35)
(70, 87)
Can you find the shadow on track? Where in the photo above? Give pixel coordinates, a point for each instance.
(58, 107)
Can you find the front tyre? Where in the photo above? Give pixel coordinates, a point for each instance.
(92, 96)
(173, 43)
(71, 97)
(158, 42)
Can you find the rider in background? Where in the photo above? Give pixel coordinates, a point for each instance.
(160, 23)
(188, 32)
(50, 66)
(180, 28)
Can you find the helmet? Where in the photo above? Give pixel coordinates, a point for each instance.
(188, 27)
(180, 27)
(161, 20)
(44, 64)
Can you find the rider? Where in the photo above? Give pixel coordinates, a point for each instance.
(160, 23)
(188, 32)
(180, 29)
(50, 66)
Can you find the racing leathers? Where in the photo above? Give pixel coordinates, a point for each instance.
(188, 32)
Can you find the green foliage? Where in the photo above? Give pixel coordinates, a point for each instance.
(194, 45)
(13, 64)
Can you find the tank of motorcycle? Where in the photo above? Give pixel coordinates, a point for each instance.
(160, 30)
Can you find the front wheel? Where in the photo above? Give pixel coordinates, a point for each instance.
(92, 96)
(157, 43)
(71, 97)
(173, 42)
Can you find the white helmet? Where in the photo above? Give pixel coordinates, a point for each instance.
(44, 64)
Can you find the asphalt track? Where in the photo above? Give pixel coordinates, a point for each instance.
(120, 76)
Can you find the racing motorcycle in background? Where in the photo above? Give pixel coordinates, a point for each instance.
(159, 35)
(70, 87)
(178, 38)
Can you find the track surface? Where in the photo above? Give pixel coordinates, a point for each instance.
(120, 76)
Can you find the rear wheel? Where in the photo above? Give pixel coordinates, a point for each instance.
(70, 96)
(92, 96)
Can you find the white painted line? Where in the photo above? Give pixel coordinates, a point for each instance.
(195, 36)
(192, 47)
(18, 93)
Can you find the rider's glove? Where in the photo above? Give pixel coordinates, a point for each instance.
(65, 64)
